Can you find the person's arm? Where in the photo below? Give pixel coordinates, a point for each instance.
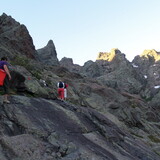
(7, 71)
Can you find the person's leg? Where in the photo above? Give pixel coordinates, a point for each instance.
(65, 93)
(62, 93)
(59, 93)
(6, 90)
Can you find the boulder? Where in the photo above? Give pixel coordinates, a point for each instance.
(68, 63)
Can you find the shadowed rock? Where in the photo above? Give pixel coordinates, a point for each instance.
(68, 63)
(58, 130)
(14, 38)
(48, 54)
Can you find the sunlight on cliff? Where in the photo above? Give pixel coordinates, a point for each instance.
(151, 53)
(107, 56)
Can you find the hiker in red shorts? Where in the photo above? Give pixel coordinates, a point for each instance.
(60, 86)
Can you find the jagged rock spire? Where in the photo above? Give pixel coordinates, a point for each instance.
(48, 54)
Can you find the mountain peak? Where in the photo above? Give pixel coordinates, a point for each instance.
(151, 53)
(108, 56)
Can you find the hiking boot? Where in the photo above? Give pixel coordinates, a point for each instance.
(6, 101)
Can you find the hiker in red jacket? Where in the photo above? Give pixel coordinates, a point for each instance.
(60, 86)
(5, 77)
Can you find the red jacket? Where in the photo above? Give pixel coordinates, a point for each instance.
(66, 85)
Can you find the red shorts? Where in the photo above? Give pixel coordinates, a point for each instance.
(61, 93)
(2, 76)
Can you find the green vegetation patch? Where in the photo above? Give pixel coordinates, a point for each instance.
(154, 139)
(22, 61)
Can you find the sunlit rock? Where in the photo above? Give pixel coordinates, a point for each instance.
(151, 53)
(108, 56)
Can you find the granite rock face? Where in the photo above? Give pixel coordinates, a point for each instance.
(68, 63)
(15, 39)
(40, 129)
(148, 65)
(114, 70)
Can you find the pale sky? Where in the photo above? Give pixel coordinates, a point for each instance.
(80, 29)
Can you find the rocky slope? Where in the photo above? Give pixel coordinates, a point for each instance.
(112, 111)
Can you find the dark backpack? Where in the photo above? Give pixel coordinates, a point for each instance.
(61, 85)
